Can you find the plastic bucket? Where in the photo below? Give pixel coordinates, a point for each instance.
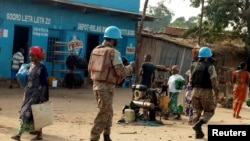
(129, 115)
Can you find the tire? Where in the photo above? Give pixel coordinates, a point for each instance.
(73, 80)
(81, 63)
(75, 62)
(70, 61)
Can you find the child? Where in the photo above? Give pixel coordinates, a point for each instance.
(188, 105)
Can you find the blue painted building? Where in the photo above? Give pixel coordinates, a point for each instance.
(59, 25)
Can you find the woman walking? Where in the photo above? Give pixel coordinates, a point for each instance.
(36, 91)
(174, 92)
(241, 83)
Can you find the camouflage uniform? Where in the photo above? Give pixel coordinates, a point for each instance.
(104, 93)
(203, 99)
(204, 81)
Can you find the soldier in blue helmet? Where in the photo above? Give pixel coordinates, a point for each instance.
(106, 70)
(204, 82)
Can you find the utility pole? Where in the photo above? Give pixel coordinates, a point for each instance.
(138, 41)
(201, 21)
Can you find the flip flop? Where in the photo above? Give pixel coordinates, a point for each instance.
(37, 138)
(34, 132)
(238, 117)
(16, 137)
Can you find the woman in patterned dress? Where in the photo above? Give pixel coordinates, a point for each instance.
(36, 91)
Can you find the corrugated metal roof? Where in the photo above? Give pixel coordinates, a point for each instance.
(189, 43)
(87, 8)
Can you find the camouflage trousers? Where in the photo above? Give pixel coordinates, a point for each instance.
(203, 100)
(103, 120)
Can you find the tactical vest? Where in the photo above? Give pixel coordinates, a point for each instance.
(100, 65)
(200, 76)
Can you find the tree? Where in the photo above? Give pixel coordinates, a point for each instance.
(230, 13)
(162, 14)
(183, 23)
(179, 22)
(221, 15)
(192, 22)
(227, 16)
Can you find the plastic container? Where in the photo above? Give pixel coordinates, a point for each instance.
(54, 83)
(129, 115)
(164, 102)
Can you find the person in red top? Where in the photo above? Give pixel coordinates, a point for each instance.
(241, 82)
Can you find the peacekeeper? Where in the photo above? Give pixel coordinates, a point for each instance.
(106, 70)
(204, 82)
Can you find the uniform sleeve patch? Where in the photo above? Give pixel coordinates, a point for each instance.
(119, 58)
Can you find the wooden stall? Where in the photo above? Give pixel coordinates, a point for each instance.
(225, 82)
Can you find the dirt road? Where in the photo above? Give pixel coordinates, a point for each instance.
(75, 109)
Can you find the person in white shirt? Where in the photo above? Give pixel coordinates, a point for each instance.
(174, 90)
(17, 61)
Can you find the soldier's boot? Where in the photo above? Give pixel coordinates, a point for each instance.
(198, 131)
(106, 138)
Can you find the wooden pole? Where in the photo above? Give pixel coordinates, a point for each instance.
(138, 42)
(201, 20)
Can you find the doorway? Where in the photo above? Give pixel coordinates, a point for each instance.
(92, 42)
(21, 40)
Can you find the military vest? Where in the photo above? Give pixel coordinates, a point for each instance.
(200, 75)
(100, 65)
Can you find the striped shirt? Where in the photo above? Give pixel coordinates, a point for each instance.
(17, 60)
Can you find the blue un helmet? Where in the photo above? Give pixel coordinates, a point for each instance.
(112, 32)
(205, 52)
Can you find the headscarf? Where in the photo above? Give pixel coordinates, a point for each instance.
(38, 51)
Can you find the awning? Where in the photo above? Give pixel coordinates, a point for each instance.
(87, 8)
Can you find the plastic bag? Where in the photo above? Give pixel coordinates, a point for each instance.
(42, 114)
(179, 83)
(248, 102)
(22, 75)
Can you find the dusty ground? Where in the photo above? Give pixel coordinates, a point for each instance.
(75, 109)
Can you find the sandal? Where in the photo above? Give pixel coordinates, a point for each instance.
(178, 117)
(16, 137)
(238, 117)
(37, 138)
(190, 122)
(34, 132)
